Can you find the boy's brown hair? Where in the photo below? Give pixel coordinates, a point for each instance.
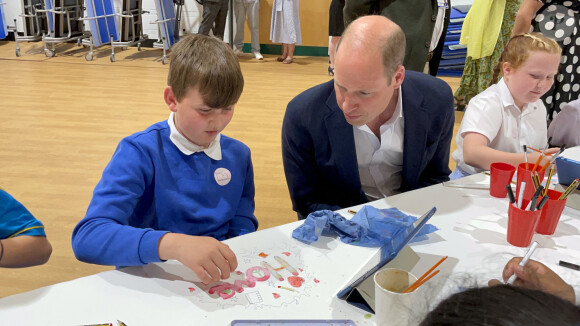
(210, 65)
(518, 49)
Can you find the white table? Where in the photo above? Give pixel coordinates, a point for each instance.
(472, 232)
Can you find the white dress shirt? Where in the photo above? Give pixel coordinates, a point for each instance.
(214, 150)
(380, 161)
(494, 114)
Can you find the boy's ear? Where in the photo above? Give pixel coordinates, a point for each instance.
(170, 99)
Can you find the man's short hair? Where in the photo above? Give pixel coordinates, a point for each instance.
(393, 51)
(210, 65)
(391, 46)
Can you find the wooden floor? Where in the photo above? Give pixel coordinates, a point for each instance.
(61, 119)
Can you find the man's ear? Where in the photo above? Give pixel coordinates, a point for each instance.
(398, 77)
(170, 99)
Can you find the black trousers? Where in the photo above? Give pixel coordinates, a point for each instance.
(214, 13)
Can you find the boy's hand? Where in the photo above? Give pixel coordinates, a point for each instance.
(207, 257)
(537, 276)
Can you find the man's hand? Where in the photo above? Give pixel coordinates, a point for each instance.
(207, 257)
(535, 275)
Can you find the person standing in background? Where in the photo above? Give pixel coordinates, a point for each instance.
(335, 29)
(559, 20)
(486, 30)
(214, 17)
(438, 38)
(251, 8)
(417, 19)
(285, 28)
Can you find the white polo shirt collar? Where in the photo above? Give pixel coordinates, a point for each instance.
(214, 149)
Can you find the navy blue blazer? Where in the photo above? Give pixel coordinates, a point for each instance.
(319, 153)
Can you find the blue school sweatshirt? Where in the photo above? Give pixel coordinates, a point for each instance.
(150, 188)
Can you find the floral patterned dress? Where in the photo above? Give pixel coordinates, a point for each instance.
(477, 73)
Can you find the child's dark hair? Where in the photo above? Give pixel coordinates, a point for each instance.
(503, 305)
(518, 49)
(210, 65)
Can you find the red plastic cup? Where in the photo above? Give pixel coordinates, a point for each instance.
(521, 225)
(525, 174)
(501, 176)
(551, 213)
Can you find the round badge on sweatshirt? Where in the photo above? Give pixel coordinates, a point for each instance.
(222, 176)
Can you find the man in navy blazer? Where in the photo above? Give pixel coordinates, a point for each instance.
(373, 131)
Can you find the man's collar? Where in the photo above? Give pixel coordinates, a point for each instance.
(214, 150)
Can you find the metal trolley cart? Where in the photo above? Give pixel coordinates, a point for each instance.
(131, 26)
(3, 23)
(64, 24)
(34, 21)
(103, 24)
(166, 24)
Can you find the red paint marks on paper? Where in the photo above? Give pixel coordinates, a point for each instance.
(276, 295)
(300, 269)
(286, 253)
(263, 255)
(191, 289)
(239, 273)
(316, 281)
(295, 281)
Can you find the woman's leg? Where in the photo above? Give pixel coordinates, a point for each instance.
(284, 53)
(290, 53)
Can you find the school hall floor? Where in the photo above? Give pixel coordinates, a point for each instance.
(62, 117)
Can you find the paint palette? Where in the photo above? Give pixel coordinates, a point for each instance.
(288, 322)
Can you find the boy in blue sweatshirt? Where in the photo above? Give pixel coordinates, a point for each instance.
(174, 190)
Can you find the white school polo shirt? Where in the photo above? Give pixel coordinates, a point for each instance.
(494, 114)
(214, 150)
(380, 162)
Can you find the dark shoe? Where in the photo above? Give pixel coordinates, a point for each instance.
(330, 71)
